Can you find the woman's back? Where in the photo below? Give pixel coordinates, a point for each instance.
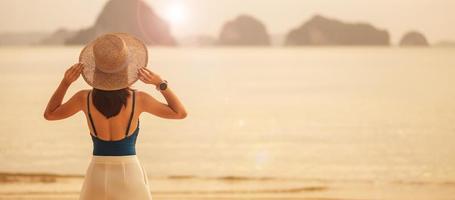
(115, 128)
(124, 146)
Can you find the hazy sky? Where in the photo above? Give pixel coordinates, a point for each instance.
(436, 18)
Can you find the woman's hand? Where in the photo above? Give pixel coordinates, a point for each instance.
(148, 77)
(174, 108)
(72, 74)
(55, 110)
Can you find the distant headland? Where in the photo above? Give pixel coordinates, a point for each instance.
(320, 31)
(244, 30)
(132, 16)
(414, 38)
(138, 18)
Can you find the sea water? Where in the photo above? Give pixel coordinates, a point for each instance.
(334, 114)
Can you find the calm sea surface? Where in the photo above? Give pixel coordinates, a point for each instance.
(366, 114)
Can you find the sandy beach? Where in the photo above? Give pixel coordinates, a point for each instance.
(53, 186)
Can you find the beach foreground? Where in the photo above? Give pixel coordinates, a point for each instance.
(54, 186)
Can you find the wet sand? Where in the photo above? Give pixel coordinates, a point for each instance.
(38, 186)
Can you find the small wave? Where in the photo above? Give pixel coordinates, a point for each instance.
(9, 177)
(258, 191)
(223, 178)
(246, 178)
(181, 177)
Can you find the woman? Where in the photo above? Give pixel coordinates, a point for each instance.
(110, 64)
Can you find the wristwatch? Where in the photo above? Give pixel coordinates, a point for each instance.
(162, 86)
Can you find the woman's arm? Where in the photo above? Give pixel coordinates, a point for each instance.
(174, 109)
(55, 110)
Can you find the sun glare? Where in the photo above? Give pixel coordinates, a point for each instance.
(176, 14)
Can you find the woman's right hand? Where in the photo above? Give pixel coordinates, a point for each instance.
(148, 77)
(73, 73)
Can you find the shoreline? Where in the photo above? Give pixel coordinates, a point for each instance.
(38, 177)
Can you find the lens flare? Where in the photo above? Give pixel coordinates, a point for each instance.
(176, 14)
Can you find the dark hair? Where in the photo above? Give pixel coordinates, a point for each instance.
(109, 103)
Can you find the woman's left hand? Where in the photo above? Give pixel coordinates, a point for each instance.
(149, 77)
(72, 74)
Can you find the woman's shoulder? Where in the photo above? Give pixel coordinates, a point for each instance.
(82, 94)
(141, 93)
(143, 98)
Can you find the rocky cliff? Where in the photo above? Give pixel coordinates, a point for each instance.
(414, 38)
(320, 30)
(131, 16)
(244, 30)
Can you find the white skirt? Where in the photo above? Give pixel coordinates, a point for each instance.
(115, 177)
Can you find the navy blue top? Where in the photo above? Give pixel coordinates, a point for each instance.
(123, 147)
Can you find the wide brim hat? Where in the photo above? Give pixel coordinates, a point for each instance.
(137, 57)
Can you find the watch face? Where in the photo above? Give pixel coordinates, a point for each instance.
(163, 86)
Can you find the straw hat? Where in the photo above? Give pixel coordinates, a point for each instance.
(111, 61)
